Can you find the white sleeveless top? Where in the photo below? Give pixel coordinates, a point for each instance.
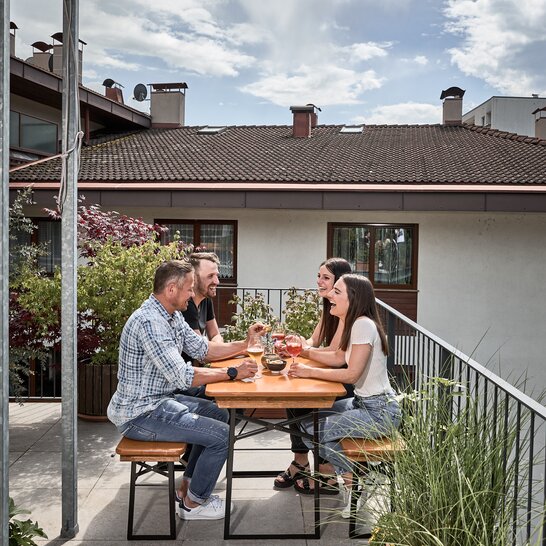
(374, 379)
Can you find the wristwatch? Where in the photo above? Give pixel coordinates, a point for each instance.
(232, 373)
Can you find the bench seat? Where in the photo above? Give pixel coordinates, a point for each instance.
(165, 455)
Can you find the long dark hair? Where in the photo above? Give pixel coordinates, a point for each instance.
(337, 267)
(361, 303)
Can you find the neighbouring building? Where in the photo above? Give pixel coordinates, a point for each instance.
(511, 114)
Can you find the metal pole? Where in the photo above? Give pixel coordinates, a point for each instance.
(4, 270)
(70, 128)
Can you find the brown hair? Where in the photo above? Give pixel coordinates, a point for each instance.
(196, 257)
(338, 267)
(171, 271)
(361, 304)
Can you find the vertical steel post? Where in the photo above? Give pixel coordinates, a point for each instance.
(4, 268)
(70, 128)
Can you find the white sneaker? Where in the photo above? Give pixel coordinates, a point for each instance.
(213, 508)
(346, 512)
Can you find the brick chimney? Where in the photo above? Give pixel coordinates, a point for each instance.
(168, 102)
(58, 55)
(305, 119)
(453, 106)
(540, 123)
(113, 90)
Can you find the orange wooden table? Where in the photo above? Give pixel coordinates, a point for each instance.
(271, 391)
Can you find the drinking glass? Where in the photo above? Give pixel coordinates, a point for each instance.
(293, 345)
(278, 333)
(255, 350)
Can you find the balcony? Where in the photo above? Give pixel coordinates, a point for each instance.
(417, 356)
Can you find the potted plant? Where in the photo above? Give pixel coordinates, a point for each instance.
(120, 255)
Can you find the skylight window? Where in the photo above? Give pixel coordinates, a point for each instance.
(347, 129)
(211, 130)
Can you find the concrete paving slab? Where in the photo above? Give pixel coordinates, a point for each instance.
(45, 505)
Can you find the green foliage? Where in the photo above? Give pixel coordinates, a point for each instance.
(302, 311)
(115, 282)
(20, 231)
(455, 479)
(21, 533)
(251, 309)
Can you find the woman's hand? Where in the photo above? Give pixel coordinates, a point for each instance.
(300, 370)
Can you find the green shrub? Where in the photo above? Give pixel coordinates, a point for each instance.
(21, 533)
(302, 311)
(115, 282)
(251, 309)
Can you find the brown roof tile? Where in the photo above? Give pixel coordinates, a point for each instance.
(381, 154)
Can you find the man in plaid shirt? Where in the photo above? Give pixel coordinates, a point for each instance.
(151, 369)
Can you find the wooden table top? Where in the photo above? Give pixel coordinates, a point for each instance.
(274, 390)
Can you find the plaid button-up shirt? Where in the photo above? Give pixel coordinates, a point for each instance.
(151, 367)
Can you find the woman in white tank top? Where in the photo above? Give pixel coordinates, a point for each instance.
(373, 411)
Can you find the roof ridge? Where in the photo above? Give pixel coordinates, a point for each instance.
(504, 134)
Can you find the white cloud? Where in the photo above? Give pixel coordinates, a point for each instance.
(420, 59)
(368, 50)
(402, 113)
(327, 85)
(502, 42)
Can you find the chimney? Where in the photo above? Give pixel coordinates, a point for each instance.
(113, 90)
(58, 55)
(305, 119)
(168, 104)
(540, 123)
(42, 56)
(12, 28)
(453, 106)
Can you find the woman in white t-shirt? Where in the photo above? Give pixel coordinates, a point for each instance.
(373, 411)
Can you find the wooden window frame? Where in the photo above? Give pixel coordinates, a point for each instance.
(229, 281)
(372, 227)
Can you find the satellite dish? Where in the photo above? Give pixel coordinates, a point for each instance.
(140, 92)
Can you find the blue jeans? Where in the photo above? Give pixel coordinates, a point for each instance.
(194, 421)
(378, 416)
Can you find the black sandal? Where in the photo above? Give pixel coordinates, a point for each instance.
(321, 481)
(287, 479)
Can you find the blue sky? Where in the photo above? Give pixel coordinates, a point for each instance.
(361, 61)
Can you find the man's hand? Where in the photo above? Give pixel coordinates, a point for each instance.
(256, 329)
(247, 368)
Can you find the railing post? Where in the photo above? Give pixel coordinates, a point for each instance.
(4, 268)
(445, 371)
(391, 339)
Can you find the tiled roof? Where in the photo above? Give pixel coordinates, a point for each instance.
(386, 154)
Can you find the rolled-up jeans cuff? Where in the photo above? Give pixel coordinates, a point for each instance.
(194, 498)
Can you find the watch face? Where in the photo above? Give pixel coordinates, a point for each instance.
(232, 372)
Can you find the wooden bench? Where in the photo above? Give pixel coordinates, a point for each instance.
(165, 455)
(361, 452)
